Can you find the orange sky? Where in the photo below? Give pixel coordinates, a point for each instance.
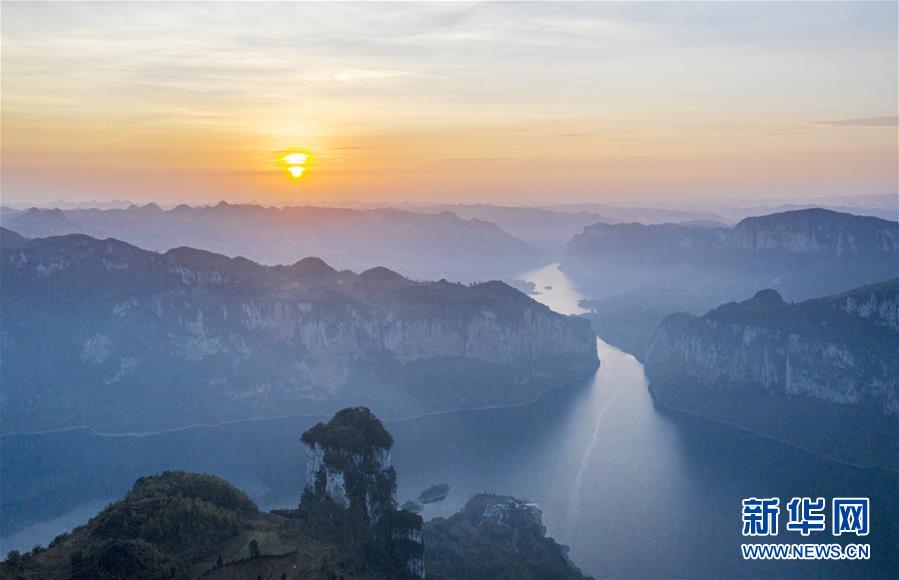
(511, 103)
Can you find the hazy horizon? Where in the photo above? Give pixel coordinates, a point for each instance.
(710, 205)
(513, 104)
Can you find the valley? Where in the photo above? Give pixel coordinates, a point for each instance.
(671, 480)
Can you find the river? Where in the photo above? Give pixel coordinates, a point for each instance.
(635, 491)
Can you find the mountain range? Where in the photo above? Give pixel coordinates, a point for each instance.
(101, 333)
(422, 246)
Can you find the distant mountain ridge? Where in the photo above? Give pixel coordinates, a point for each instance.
(819, 373)
(542, 228)
(423, 246)
(635, 274)
(817, 232)
(646, 215)
(150, 341)
(795, 252)
(809, 234)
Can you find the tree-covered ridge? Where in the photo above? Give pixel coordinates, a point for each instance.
(176, 512)
(163, 525)
(184, 526)
(495, 536)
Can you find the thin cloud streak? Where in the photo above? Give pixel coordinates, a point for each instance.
(888, 121)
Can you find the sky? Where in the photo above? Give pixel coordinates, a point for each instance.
(517, 103)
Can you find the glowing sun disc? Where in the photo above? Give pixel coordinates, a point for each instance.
(295, 158)
(295, 161)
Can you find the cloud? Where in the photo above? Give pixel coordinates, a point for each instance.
(888, 121)
(357, 76)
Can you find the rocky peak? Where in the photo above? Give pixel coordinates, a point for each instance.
(765, 299)
(502, 510)
(351, 490)
(348, 463)
(381, 274)
(312, 267)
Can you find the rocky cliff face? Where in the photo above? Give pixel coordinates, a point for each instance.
(816, 232)
(188, 336)
(348, 463)
(828, 358)
(350, 492)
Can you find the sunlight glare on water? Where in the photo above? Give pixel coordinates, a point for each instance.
(555, 289)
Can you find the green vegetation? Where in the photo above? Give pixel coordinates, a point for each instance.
(165, 522)
(182, 526)
(353, 430)
(179, 513)
(495, 537)
(363, 521)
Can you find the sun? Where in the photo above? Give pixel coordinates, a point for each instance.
(295, 158)
(295, 161)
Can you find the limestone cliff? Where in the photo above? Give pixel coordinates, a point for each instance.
(171, 339)
(817, 232)
(829, 361)
(350, 492)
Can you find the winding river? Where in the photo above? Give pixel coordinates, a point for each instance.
(633, 490)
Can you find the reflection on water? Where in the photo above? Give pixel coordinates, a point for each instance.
(555, 289)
